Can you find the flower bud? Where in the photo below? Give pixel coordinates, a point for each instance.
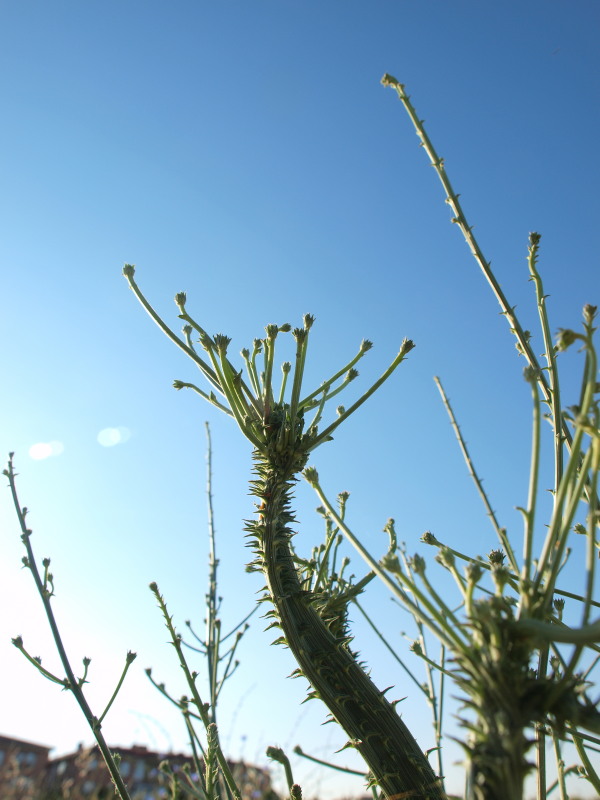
(221, 342)
(559, 605)
(429, 538)
(531, 374)
(566, 338)
(496, 557)
(445, 557)
(417, 648)
(418, 564)
(299, 334)
(473, 572)
(311, 475)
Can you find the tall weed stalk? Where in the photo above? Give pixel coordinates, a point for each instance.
(525, 676)
(506, 637)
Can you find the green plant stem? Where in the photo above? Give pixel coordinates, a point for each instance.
(375, 730)
(592, 775)
(487, 566)
(500, 532)
(560, 768)
(529, 513)
(550, 353)
(460, 220)
(592, 526)
(277, 754)
(191, 682)
(406, 347)
(128, 663)
(388, 646)
(540, 731)
(128, 272)
(431, 617)
(300, 752)
(306, 402)
(71, 681)
(212, 649)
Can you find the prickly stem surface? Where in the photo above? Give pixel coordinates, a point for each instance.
(374, 728)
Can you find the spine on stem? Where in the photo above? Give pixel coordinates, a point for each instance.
(395, 760)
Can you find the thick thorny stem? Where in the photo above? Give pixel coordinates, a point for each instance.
(375, 729)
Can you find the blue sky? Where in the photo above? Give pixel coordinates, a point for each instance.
(247, 154)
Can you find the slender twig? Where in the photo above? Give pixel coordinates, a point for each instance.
(70, 683)
(500, 531)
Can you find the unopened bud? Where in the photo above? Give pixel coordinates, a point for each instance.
(496, 557)
(589, 312)
(222, 342)
(311, 475)
(565, 338)
(473, 572)
(418, 564)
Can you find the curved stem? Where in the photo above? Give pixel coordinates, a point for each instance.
(399, 767)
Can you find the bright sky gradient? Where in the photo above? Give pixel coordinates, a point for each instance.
(246, 153)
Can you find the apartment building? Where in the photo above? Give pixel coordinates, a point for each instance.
(27, 773)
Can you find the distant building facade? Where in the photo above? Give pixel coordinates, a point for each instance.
(27, 773)
(23, 768)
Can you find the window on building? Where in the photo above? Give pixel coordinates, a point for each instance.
(140, 770)
(26, 759)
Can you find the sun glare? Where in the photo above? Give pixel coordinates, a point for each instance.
(42, 450)
(109, 437)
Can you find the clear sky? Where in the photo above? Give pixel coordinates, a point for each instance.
(247, 154)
